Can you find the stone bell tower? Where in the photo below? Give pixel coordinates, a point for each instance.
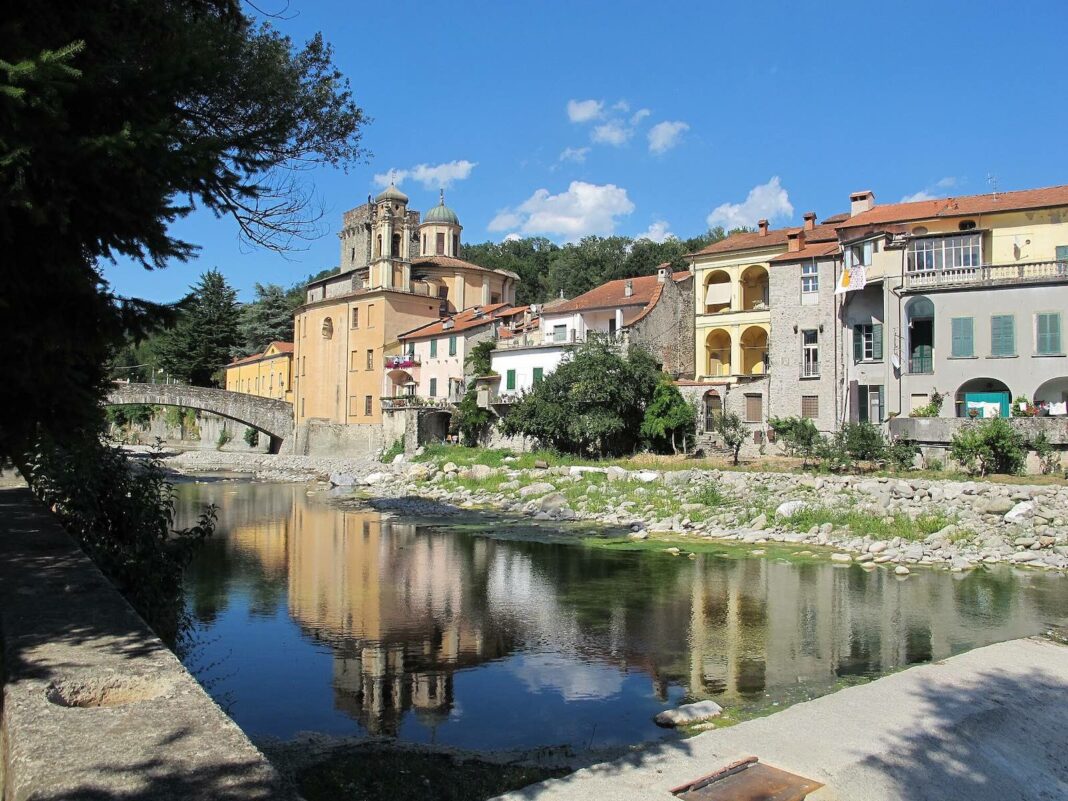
(391, 240)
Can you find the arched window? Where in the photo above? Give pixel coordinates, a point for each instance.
(328, 328)
(378, 246)
(396, 251)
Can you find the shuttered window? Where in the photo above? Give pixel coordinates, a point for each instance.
(963, 345)
(509, 380)
(868, 343)
(870, 403)
(433, 349)
(1048, 333)
(1003, 335)
(452, 345)
(810, 406)
(433, 387)
(754, 408)
(539, 374)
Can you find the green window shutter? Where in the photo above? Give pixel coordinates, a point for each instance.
(1048, 329)
(858, 343)
(433, 387)
(510, 379)
(963, 343)
(1002, 335)
(452, 345)
(539, 373)
(877, 341)
(862, 404)
(1062, 252)
(433, 348)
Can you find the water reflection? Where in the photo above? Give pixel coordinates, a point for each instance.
(317, 619)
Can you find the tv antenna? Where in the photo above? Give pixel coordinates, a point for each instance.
(993, 181)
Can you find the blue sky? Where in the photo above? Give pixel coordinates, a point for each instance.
(569, 118)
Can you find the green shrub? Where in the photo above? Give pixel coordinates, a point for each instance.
(1022, 407)
(798, 436)
(252, 437)
(933, 463)
(932, 409)
(711, 495)
(478, 360)
(394, 450)
(901, 454)
(733, 431)
(669, 420)
(472, 421)
(1047, 455)
(990, 446)
(224, 437)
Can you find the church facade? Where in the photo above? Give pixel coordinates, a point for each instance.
(396, 273)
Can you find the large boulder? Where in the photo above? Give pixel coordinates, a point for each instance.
(674, 478)
(791, 508)
(478, 472)
(996, 505)
(375, 478)
(1021, 512)
(553, 502)
(343, 479)
(688, 714)
(537, 488)
(646, 476)
(616, 473)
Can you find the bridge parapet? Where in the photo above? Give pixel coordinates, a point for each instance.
(272, 417)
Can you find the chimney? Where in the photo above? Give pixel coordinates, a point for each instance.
(810, 220)
(795, 240)
(661, 275)
(860, 202)
(763, 226)
(628, 288)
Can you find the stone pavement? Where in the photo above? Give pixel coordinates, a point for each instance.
(93, 705)
(988, 725)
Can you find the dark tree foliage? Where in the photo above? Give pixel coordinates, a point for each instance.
(115, 121)
(670, 422)
(266, 319)
(593, 403)
(199, 346)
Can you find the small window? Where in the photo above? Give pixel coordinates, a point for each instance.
(354, 360)
(367, 404)
(354, 405)
(1048, 334)
(433, 349)
(509, 380)
(559, 333)
(370, 321)
(539, 374)
(868, 343)
(1003, 335)
(452, 345)
(810, 278)
(810, 406)
(328, 328)
(859, 255)
(919, 230)
(962, 345)
(355, 316)
(455, 245)
(352, 255)
(433, 388)
(754, 408)
(370, 359)
(441, 244)
(966, 225)
(303, 365)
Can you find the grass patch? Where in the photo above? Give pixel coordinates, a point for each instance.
(880, 527)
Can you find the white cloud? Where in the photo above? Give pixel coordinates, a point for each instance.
(576, 154)
(584, 110)
(431, 176)
(658, 231)
(639, 115)
(613, 132)
(923, 194)
(931, 192)
(621, 105)
(665, 135)
(567, 676)
(513, 237)
(765, 201)
(582, 210)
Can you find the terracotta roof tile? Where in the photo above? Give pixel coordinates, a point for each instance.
(449, 261)
(462, 321)
(613, 294)
(284, 348)
(750, 240)
(960, 206)
(811, 250)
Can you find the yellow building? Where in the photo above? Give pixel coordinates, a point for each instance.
(396, 274)
(268, 374)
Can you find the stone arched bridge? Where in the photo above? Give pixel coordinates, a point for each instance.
(272, 417)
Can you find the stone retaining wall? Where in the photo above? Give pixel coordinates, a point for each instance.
(94, 705)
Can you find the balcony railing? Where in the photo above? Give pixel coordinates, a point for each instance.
(920, 365)
(396, 403)
(400, 362)
(542, 340)
(1036, 271)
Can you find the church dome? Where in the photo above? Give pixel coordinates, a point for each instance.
(392, 193)
(441, 214)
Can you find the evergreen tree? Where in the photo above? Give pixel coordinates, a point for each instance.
(669, 419)
(267, 319)
(199, 346)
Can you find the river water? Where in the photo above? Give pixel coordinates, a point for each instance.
(313, 618)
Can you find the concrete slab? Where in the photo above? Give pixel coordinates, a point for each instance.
(93, 706)
(988, 725)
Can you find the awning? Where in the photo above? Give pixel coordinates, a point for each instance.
(718, 294)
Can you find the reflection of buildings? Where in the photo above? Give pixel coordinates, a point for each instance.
(402, 609)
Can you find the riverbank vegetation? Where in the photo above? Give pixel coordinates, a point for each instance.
(99, 161)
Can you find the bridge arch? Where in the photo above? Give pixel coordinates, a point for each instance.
(273, 417)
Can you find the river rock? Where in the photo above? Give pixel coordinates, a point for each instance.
(553, 502)
(343, 479)
(450, 467)
(674, 478)
(877, 547)
(901, 570)
(537, 488)
(638, 535)
(998, 505)
(790, 508)
(841, 557)
(689, 713)
(646, 476)
(375, 478)
(759, 523)
(616, 473)
(1021, 512)
(580, 470)
(478, 472)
